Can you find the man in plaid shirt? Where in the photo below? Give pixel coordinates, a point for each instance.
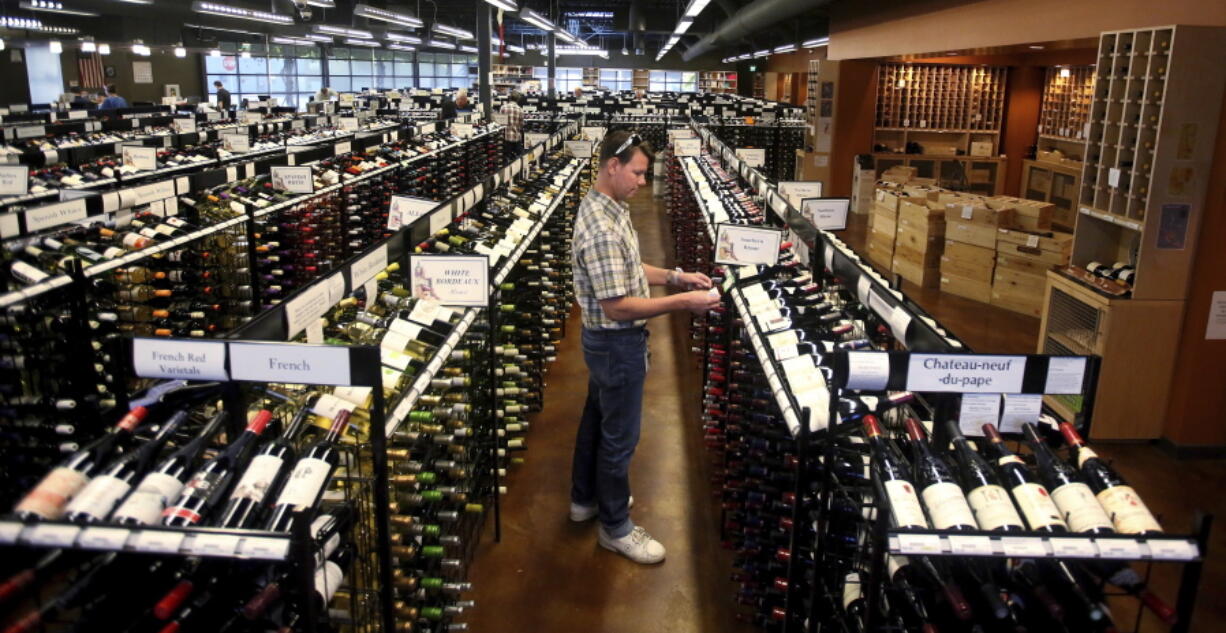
(514, 134)
(611, 282)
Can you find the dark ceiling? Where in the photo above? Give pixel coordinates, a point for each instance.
(601, 23)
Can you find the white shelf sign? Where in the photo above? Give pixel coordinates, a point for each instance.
(405, 209)
(142, 158)
(827, 214)
(753, 157)
(190, 360)
(14, 180)
(236, 142)
(579, 149)
(744, 245)
(687, 147)
(290, 363)
(450, 280)
(965, 373)
(293, 179)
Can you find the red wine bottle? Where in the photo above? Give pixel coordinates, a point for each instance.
(48, 499)
(306, 483)
(947, 506)
(208, 484)
(1078, 506)
(262, 478)
(988, 499)
(145, 504)
(98, 498)
(1039, 511)
(904, 503)
(1128, 513)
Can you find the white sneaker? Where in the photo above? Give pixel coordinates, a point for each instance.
(638, 546)
(579, 513)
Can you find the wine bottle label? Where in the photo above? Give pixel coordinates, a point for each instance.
(328, 579)
(305, 482)
(1081, 511)
(201, 486)
(1127, 511)
(1038, 508)
(1010, 459)
(391, 377)
(424, 312)
(394, 342)
(329, 406)
(1084, 454)
(358, 396)
(852, 589)
(405, 328)
(947, 505)
(870, 402)
(26, 273)
(396, 360)
(48, 498)
(905, 504)
(146, 504)
(258, 478)
(992, 508)
(165, 230)
(99, 496)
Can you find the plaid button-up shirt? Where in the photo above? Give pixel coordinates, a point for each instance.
(606, 259)
(515, 120)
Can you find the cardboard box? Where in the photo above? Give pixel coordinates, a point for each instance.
(972, 263)
(925, 277)
(976, 289)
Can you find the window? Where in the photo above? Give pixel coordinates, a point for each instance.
(445, 70)
(617, 78)
(289, 74)
(673, 81)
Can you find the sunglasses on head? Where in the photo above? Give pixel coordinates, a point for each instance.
(634, 139)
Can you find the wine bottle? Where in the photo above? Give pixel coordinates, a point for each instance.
(145, 504)
(988, 499)
(98, 498)
(207, 485)
(1039, 511)
(263, 476)
(306, 483)
(1078, 506)
(942, 496)
(48, 499)
(1128, 513)
(904, 504)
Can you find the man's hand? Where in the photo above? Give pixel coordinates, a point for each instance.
(700, 301)
(693, 281)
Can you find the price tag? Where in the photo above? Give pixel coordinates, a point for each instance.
(14, 180)
(343, 148)
(104, 538)
(862, 287)
(1169, 549)
(919, 544)
(1113, 177)
(212, 545)
(290, 363)
(1073, 547)
(978, 409)
(405, 209)
(869, 371)
(367, 267)
(293, 179)
(1023, 546)
(1032, 241)
(970, 545)
(1118, 548)
(158, 542)
(264, 548)
(877, 303)
(1019, 409)
(77, 114)
(51, 535)
(190, 360)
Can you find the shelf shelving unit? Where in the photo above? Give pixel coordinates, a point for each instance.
(717, 81)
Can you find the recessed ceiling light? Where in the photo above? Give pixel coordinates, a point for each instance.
(1036, 47)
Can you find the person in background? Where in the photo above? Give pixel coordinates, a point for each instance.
(112, 101)
(223, 97)
(82, 98)
(324, 94)
(514, 135)
(612, 288)
(449, 108)
(640, 94)
(578, 92)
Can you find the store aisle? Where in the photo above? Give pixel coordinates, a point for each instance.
(548, 575)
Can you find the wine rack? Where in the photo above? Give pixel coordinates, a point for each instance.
(781, 139)
(1065, 109)
(938, 97)
(717, 82)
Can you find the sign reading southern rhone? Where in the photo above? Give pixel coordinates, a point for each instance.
(293, 179)
(744, 245)
(450, 280)
(828, 214)
(965, 373)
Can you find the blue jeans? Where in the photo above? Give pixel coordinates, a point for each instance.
(609, 430)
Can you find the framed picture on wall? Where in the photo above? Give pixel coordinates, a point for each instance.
(109, 70)
(171, 90)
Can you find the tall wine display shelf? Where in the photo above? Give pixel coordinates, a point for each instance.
(1149, 146)
(1054, 175)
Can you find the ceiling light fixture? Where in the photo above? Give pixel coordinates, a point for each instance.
(363, 10)
(683, 26)
(51, 6)
(695, 7)
(340, 30)
(180, 51)
(1065, 73)
(245, 54)
(505, 5)
(815, 42)
(400, 47)
(441, 44)
(516, 49)
(323, 4)
(137, 1)
(318, 37)
(293, 41)
(55, 46)
(762, 53)
(216, 52)
(460, 34)
(786, 48)
(104, 49)
(139, 48)
(1036, 47)
(353, 41)
(536, 19)
(400, 37)
(226, 11)
(89, 46)
(468, 49)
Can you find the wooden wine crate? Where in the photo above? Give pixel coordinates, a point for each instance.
(975, 224)
(881, 253)
(1018, 289)
(883, 223)
(1028, 215)
(1035, 244)
(969, 262)
(913, 271)
(976, 289)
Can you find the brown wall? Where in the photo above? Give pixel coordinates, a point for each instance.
(900, 27)
(855, 104)
(1198, 388)
(167, 69)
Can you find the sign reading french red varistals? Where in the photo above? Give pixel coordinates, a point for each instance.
(450, 280)
(190, 360)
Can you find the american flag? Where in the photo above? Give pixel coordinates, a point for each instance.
(89, 68)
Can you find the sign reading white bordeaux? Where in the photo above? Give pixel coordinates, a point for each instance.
(290, 363)
(293, 179)
(745, 245)
(190, 360)
(450, 280)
